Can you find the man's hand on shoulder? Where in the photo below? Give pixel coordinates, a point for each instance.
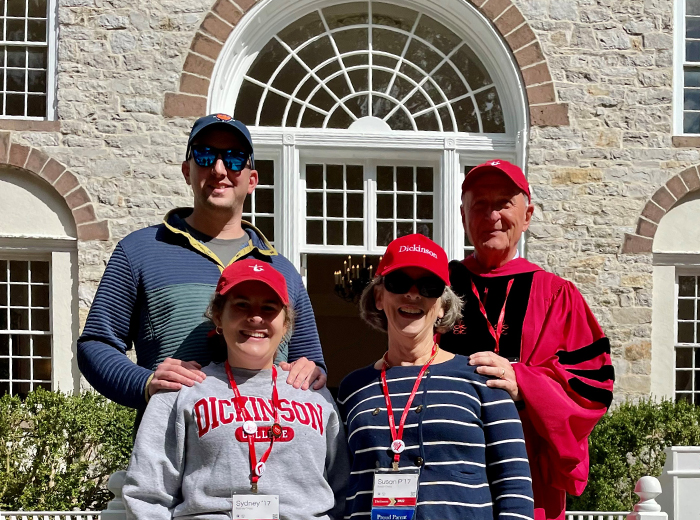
(171, 374)
(303, 372)
(490, 364)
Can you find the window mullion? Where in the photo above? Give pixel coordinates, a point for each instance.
(370, 183)
(447, 188)
(291, 198)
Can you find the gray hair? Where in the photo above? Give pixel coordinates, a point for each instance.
(451, 304)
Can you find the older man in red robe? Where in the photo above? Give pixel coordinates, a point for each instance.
(533, 331)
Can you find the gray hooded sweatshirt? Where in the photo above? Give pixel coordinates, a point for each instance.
(191, 455)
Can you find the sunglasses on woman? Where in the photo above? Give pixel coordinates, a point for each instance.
(399, 282)
(206, 156)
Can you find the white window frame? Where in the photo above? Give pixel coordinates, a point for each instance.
(664, 327)
(271, 154)
(14, 379)
(61, 253)
(448, 150)
(439, 152)
(51, 64)
(679, 65)
(683, 271)
(266, 19)
(369, 165)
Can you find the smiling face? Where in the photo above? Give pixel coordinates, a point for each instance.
(409, 316)
(495, 214)
(215, 187)
(253, 324)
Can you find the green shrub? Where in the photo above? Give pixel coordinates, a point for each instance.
(627, 444)
(57, 451)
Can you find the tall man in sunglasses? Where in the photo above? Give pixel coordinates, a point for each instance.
(160, 280)
(533, 331)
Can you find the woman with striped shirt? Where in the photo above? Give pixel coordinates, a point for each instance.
(423, 409)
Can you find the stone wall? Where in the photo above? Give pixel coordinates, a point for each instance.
(611, 62)
(114, 64)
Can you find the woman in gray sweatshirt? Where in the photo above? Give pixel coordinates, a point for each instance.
(192, 456)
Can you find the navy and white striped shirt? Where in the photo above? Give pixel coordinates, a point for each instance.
(466, 437)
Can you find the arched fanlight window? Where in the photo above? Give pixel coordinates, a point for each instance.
(342, 64)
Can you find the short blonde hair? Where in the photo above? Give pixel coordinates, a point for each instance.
(451, 305)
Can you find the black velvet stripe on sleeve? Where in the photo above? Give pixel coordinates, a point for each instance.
(592, 351)
(590, 392)
(604, 373)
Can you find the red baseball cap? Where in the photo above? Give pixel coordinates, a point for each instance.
(252, 269)
(510, 170)
(415, 251)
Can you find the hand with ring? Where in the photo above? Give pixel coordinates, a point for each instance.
(491, 364)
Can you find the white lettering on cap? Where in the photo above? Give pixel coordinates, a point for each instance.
(257, 268)
(417, 249)
(495, 163)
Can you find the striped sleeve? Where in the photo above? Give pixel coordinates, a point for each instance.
(567, 387)
(507, 465)
(107, 335)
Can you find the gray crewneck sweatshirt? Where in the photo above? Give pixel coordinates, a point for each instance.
(190, 454)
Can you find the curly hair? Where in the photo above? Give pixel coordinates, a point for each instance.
(451, 304)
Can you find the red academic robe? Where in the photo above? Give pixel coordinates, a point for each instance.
(565, 378)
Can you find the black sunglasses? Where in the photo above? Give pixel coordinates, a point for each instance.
(399, 282)
(206, 156)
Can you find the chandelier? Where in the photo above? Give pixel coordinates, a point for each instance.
(352, 279)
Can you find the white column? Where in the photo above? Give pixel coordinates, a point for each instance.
(289, 197)
(521, 160)
(64, 321)
(663, 331)
(451, 237)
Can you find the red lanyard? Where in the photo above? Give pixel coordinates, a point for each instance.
(250, 428)
(499, 326)
(397, 444)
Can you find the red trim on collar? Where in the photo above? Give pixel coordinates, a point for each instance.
(515, 266)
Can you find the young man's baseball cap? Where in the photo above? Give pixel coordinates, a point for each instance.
(510, 170)
(252, 269)
(224, 120)
(415, 251)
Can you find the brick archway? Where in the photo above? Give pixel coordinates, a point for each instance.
(661, 202)
(191, 99)
(62, 180)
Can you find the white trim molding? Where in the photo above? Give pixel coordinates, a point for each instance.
(689, 260)
(31, 245)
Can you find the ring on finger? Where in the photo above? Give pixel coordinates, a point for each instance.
(503, 373)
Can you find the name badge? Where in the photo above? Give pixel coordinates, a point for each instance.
(395, 494)
(256, 507)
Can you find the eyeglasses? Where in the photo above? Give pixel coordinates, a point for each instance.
(399, 282)
(206, 156)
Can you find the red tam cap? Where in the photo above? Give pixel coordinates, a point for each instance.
(415, 251)
(252, 269)
(510, 170)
